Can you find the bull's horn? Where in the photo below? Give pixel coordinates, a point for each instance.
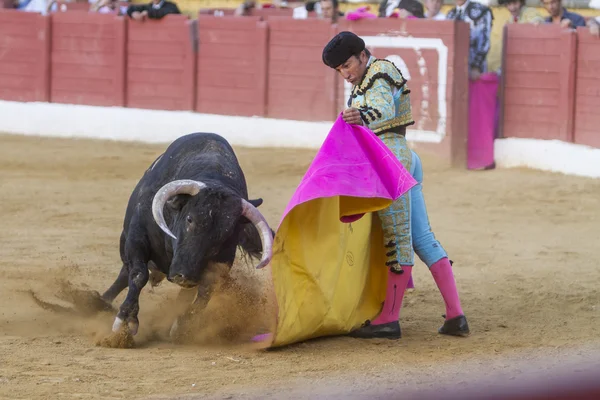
(254, 216)
(182, 186)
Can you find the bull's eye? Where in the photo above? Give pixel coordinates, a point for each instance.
(189, 219)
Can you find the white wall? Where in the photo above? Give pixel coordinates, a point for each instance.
(128, 124)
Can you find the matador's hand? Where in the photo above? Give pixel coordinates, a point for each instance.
(352, 116)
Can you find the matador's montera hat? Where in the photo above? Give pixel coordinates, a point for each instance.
(343, 46)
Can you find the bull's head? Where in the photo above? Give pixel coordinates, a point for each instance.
(207, 223)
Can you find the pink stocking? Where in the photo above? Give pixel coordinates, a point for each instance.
(396, 286)
(444, 279)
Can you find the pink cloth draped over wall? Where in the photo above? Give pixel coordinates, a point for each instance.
(483, 103)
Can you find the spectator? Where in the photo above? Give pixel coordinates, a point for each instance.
(594, 25)
(330, 9)
(521, 13)
(156, 9)
(560, 15)
(38, 6)
(480, 19)
(433, 10)
(108, 7)
(410, 7)
(245, 8)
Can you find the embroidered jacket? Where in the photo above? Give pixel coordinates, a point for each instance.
(382, 97)
(480, 18)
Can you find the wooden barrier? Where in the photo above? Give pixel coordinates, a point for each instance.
(247, 66)
(161, 63)
(63, 5)
(88, 59)
(217, 12)
(538, 82)
(232, 66)
(300, 86)
(24, 56)
(433, 56)
(271, 12)
(587, 90)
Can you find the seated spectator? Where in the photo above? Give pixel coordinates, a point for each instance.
(594, 25)
(108, 7)
(433, 10)
(560, 15)
(520, 13)
(156, 9)
(245, 8)
(388, 8)
(330, 9)
(39, 6)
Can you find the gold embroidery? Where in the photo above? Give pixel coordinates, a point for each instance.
(384, 90)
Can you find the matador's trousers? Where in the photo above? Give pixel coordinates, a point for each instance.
(405, 222)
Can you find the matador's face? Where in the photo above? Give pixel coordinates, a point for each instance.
(354, 68)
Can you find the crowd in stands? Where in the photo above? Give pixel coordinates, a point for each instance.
(480, 17)
(155, 9)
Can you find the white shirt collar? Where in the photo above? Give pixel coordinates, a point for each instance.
(463, 8)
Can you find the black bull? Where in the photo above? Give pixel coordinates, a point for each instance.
(188, 212)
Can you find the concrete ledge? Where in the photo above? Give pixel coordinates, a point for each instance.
(548, 155)
(155, 126)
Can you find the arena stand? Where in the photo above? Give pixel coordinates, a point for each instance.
(252, 80)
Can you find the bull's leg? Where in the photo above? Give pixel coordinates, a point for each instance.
(185, 297)
(203, 293)
(128, 312)
(118, 285)
(121, 282)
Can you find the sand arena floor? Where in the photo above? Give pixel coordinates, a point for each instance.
(525, 246)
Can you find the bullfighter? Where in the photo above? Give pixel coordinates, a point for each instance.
(380, 101)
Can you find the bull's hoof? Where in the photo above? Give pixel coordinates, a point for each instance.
(118, 340)
(178, 332)
(132, 326)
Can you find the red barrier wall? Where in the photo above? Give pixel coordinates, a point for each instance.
(88, 59)
(24, 56)
(414, 46)
(232, 65)
(300, 87)
(211, 11)
(587, 90)
(271, 12)
(73, 6)
(161, 63)
(538, 82)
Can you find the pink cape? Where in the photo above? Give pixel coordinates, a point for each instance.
(352, 162)
(328, 275)
(482, 120)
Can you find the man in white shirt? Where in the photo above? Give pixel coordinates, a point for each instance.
(433, 10)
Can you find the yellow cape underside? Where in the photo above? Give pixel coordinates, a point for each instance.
(328, 276)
